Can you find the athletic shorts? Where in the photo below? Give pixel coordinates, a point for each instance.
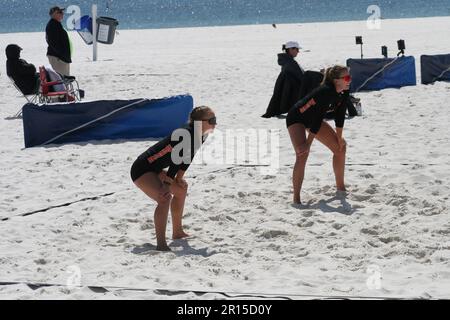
(294, 117)
(140, 167)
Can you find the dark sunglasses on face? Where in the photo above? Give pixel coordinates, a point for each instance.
(212, 121)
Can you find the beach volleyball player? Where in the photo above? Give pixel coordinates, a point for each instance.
(169, 188)
(308, 114)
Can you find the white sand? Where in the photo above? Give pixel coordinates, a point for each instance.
(248, 238)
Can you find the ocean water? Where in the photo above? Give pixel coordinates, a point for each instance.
(32, 15)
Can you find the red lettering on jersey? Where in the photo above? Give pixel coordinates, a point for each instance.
(308, 105)
(160, 154)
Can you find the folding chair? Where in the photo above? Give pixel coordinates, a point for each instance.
(69, 94)
(31, 98)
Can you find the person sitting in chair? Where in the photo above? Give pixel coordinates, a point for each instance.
(23, 73)
(28, 81)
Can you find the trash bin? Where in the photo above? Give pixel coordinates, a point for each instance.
(106, 29)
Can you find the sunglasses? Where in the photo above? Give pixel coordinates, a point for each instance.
(347, 78)
(212, 121)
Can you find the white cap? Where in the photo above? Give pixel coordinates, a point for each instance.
(292, 44)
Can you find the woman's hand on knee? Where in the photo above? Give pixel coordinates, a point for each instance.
(179, 188)
(181, 183)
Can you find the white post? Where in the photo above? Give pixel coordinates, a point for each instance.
(94, 31)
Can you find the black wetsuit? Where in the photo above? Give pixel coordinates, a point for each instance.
(159, 156)
(312, 109)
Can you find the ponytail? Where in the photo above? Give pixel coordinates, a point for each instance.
(333, 73)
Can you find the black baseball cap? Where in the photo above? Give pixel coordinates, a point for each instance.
(56, 9)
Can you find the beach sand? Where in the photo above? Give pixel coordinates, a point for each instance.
(389, 237)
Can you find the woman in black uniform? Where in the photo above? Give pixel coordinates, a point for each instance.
(309, 114)
(169, 188)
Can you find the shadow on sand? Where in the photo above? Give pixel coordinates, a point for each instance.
(324, 206)
(186, 249)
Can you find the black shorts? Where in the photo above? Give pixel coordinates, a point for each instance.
(294, 117)
(141, 166)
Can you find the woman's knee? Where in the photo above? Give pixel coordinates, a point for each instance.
(301, 154)
(181, 191)
(340, 151)
(165, 201)
(301, 157)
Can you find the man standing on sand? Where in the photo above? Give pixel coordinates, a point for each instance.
(58, 51)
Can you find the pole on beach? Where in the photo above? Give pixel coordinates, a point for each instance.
(94, 32)
(359, 41)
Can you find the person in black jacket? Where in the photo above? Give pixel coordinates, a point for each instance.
(23, 73)
(58, 51)
(289, 81)
(309, 114)
(169, 189)
(311, 80)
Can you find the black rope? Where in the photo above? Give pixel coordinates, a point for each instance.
(84, 199)
(58, 206)
(104, 289)
(376, 164)
(195, 176)
(321, 164)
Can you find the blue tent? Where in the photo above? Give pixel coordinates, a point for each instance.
(378, 74)
(99, 120)
(435, 68)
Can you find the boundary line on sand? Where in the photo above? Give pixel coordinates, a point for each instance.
(59, 206)
(195, 176)
(171, 292)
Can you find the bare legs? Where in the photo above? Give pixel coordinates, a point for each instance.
(298, 139)
(151, 184)
(328, 137)
(176, 207)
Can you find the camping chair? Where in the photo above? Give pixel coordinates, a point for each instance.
(31, 98)
(70, 94)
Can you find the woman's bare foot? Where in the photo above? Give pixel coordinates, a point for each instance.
(341, 193)
(179, 235)
(163, 248)
(300, 205)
